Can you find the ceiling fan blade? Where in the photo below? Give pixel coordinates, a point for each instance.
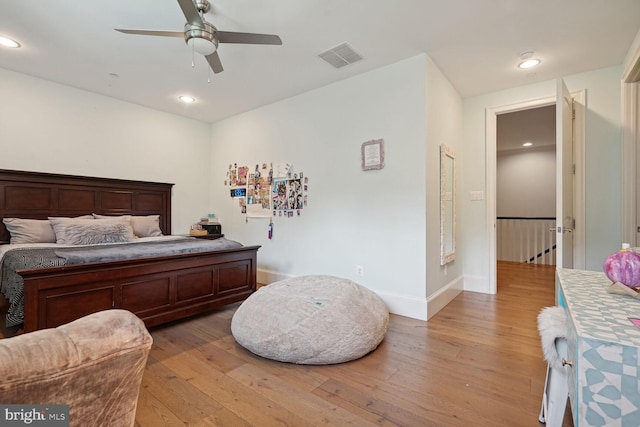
(214, 62)
(152, 33)
(190, 12)
(247, 38)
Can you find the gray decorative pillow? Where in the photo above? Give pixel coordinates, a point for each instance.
(91, 231)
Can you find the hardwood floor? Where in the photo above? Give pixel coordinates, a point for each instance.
(476, 363)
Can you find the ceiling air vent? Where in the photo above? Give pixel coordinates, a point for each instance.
(340, 55)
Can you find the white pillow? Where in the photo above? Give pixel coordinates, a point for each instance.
(29, 230)
(146, 226)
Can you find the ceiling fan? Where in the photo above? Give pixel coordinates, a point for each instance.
(203, 37)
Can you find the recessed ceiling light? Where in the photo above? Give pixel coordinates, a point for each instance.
(527, 144)
(529, 63)
(187, 99)
(7, 42)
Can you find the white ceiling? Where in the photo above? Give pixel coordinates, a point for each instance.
(476, 44)
(537, 126)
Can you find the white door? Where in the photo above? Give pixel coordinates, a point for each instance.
(564, 177)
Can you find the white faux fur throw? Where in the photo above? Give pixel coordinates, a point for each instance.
(552, 324)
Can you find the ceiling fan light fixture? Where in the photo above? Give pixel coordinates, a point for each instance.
(7, 42)
(202, 46)
(201, 39)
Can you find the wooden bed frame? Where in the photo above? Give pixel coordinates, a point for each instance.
(156, 289)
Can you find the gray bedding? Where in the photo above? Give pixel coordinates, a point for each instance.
(12, 285)
(104, 253)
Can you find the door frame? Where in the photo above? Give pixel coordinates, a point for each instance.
(630, 140)
(491, 168)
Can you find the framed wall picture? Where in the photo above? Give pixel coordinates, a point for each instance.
(372, 153)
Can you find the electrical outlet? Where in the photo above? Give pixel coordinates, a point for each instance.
(360, 270)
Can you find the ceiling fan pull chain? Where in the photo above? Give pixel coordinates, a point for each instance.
(193, 56)
(208, 74)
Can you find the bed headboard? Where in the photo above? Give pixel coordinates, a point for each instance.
(39, 195)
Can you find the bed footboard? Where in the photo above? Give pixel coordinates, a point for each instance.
(158, 289)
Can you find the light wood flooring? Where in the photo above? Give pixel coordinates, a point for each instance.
(476, 363)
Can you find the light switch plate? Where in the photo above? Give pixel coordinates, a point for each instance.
(477, 195)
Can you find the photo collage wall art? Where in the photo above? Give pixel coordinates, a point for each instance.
(268, 190)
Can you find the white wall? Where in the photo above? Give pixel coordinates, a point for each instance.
(48, 127)
(526, 183)
(602, 151)
(386, 220)
(375, 218)
(444, 126)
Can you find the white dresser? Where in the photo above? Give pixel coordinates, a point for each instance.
(603, 347)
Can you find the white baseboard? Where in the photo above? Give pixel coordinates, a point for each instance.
(402, 305)
(444, 296)
(265, 277)
(476, 284)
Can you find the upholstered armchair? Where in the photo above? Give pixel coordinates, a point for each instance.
(93, 364)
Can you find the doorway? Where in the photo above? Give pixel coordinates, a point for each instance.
(491, 168)
(526, 186)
